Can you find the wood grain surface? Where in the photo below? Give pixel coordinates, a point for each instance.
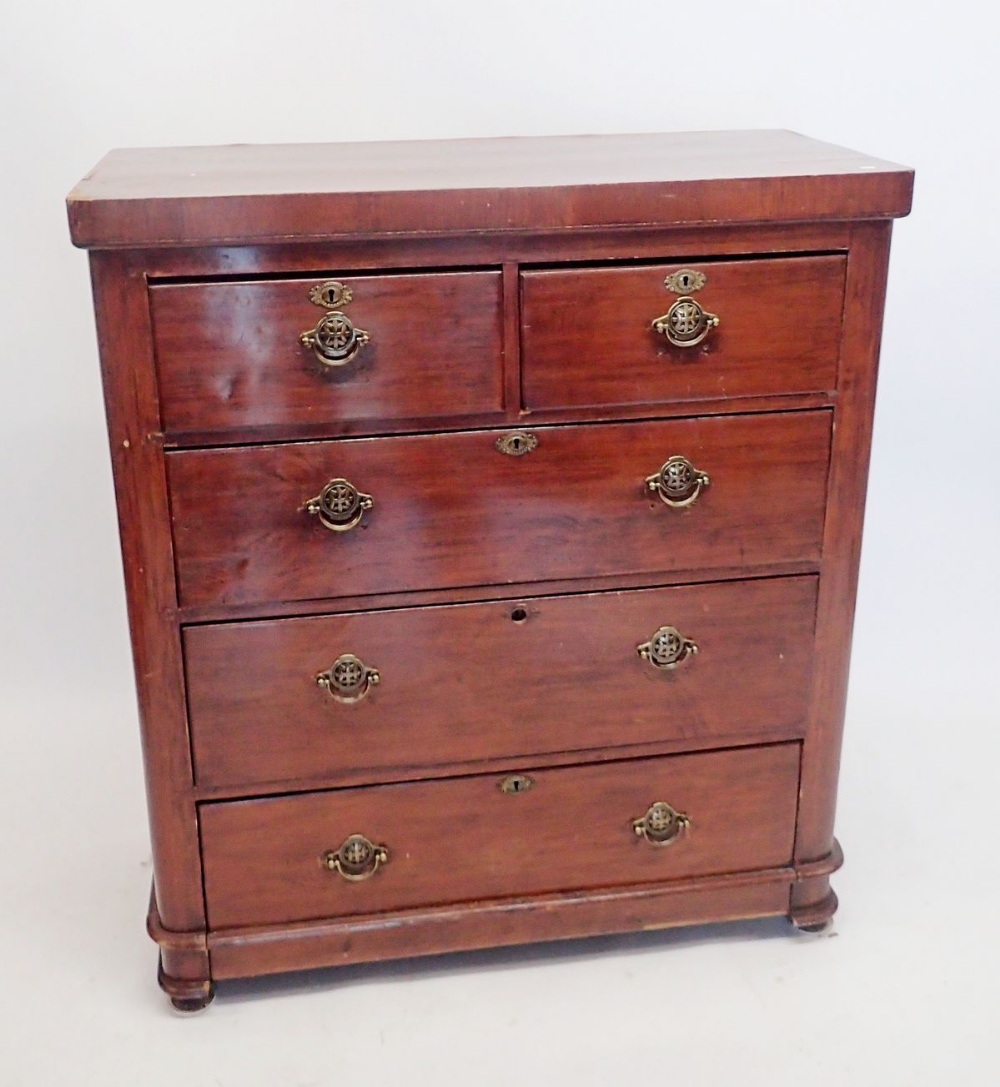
(465, 840)
(252, 194)
(481, 681)
(449, 510)
(229, 356)
(267, 949)
(587, 336)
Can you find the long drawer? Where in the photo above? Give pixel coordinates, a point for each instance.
(421, 687)
(451, 510)
(588, 335)
(230, 355)
(270, 861)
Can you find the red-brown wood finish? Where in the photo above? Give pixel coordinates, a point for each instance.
(269, 949)
(247, 194)
(450, 510)
(140, 488)
(866, 280)
(229, 354)
(541, 253)
(587, 335)
(466, 840)
(486, 681)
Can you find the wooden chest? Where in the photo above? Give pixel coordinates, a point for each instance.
(491, 514)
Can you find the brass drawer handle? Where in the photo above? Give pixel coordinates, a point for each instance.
(685, 324)
(340, 505)
(348, 679)
(662, 825)
(678, 482)
(667, 648)
(335, 340)
(357, 859)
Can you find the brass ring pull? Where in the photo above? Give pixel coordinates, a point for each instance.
(348, 679)
(661, 825)
(335, 340)
(357, 859)
(685, 324)
(667, 648)
(340, 505)
(678, 482)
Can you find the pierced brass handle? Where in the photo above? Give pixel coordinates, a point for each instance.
(357, 859)
(335, 340)
(685, 324)
(340, 505)
(662, 825)
(678, 482)
(348, 679)
(667, 648)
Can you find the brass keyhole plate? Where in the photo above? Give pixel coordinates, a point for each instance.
(516, 443)
(516, 783)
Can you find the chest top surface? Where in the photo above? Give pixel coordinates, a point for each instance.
(218, 195)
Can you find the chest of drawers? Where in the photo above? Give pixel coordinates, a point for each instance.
(491, 515)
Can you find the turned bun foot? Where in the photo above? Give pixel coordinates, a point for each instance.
(813, 902)
(814, 917)
(186, 995)
(188, 1004)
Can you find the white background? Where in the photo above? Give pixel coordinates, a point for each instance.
(905, 994)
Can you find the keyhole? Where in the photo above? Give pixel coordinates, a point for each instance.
(516, 443)
(516, 783)
(518, 615)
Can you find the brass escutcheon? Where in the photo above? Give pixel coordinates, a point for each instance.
(330, 295)
(357, 859)
(516, 443)
(667, 648)
(348, 679)
(516, 783)
(340, 505)
(685, 324)
(678, 482)
(685, 281)
(662, 825)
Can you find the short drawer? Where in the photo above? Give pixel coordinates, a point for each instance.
(450, 510)
(588, 335)
(266, 861)
(561, 674)
(229, 355)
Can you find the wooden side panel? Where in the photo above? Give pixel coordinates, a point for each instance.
(466, 840)
(229, 354)
(140, 485)
(506, 679)
(588, 336)
(450, 511)
(866, 277)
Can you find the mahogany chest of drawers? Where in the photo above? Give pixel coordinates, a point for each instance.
(491, 515)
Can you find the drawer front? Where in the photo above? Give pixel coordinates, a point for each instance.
(505, 679)
(450, 510)
(466, 839)
(588, 336)
(229, 354)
